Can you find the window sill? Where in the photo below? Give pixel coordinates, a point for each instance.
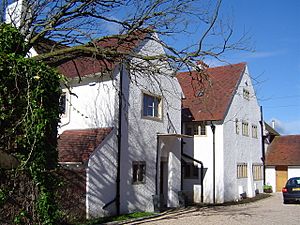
(157, 119)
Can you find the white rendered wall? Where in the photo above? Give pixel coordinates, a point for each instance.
(271, 177)
(101, 178)
(141, 142)
(203, 151)
(293, 171)
(89, 106)
(239, 148)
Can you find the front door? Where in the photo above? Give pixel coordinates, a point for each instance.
(281, 177)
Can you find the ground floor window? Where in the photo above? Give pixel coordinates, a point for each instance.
(138, 172)
(242, 170)
(257, 170)
(190, 171)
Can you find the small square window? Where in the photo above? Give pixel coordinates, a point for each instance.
(138, 172)
(151, 106)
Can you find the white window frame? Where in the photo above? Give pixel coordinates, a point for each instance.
(246, 94)
(138, 172)
(254, 131)
(196, 128)
(153, 114)
(245, 128)
(242, 170)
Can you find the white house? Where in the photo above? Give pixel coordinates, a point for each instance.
(282, 161)
(222, 113)
(121, 131)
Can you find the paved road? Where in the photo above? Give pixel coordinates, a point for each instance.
(263, 212)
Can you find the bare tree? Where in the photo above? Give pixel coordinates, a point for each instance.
(76, 28)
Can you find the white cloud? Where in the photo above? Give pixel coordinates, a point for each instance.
(286, 127)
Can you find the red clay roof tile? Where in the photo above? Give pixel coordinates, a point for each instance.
(209, 99)
(78, 145)
(284, 151)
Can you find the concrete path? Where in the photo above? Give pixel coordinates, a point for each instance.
(263, 212)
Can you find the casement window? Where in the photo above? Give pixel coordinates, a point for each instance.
(242, 170)
(254, 131)
(190, 171)
(138, 172)
(195, 129)
(246, 94)
(152, 106)
(257, 171)
(63, 103)
(237, 128)
(245, 128)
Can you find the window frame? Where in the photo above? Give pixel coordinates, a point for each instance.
(246, 94)
(140, 165)
(242, 170)
(199, 127)
(66, 107)
(257, 171)
(144, 114)
(190, 171)
(245, 128)
(237, 127)
(254, 131)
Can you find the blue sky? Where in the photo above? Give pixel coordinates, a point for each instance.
(274, 27)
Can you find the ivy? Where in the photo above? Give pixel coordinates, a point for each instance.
(29, 116)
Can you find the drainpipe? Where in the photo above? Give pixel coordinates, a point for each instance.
(262, 143)
(119, 141)
(213, 129)
(201, 173)
(157, 164)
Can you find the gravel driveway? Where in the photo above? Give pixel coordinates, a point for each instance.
(267, 211)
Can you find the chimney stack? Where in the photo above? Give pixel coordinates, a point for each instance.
(273, 124)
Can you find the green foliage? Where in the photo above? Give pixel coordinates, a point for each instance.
(11, 41)
(3, 196)
(29, 116)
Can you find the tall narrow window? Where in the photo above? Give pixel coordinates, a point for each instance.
(245, 128)
(138, 172)
(63, 103)
(257, 171)
(151, 106)
(242, 170)
(237, 129)
(254, 131)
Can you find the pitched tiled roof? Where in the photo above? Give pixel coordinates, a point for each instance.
(83, 66)
(209, 99)
(78, 145)
(284, 150)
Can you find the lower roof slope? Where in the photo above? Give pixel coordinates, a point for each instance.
(78, 145)
(284, 150)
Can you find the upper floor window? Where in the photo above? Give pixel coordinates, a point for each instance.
(138, 172)
(63, 103)
(246, 94)
(254, 131)
(237, 128)
(195, 129)
(151, 106)
(245, 128)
